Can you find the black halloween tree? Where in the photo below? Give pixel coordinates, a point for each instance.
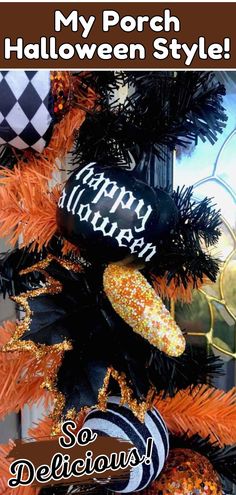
(98, 256)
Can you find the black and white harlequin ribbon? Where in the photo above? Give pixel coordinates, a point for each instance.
(26, 109)
(118, 421)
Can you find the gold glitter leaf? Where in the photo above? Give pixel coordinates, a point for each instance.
(51, 286)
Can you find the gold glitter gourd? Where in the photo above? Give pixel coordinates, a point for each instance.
(133, 298)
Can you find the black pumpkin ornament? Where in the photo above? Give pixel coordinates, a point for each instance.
(111, 216)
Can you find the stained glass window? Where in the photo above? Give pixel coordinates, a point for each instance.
(212, 171)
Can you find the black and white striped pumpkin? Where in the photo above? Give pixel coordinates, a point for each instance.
(119, 422)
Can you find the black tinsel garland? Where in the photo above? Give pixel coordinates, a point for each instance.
(104, 83)
(163, 109)
(181, 255)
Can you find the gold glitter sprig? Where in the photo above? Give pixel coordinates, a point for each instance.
(139, 409)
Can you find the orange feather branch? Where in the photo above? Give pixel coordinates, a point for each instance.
(22, 375)
(203, 410)
(176, 291)
(5, 475)
(44, 428)
(29, 215)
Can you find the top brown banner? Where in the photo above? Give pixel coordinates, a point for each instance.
(101, 35)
